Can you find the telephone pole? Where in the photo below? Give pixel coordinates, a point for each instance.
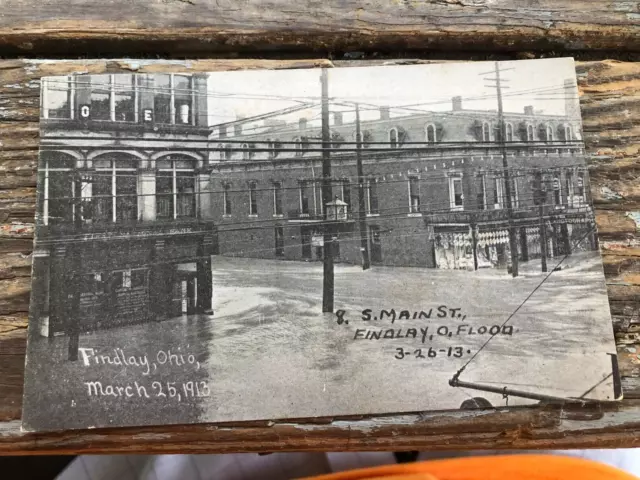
(513, 240)
(362, 224)
(328, 280)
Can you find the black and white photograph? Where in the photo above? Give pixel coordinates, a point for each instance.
(272, 244)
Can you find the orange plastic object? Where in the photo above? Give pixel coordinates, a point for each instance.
(502, 467)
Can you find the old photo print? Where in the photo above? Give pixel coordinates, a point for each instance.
(274, 244)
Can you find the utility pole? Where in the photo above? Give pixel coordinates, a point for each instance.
(364, 240)
(540, 198)
(513, 241)
(328, 280)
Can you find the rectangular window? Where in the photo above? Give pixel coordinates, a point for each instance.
(346, 192)
(580, 189)
(185, 195)
(162, 98)
(277, 198)
(569, 187)
(372, 197)
(279, 241)
(183, 94)
(253, 199)
(557, 192)
(164, 195)
(414, 195)
(100, 97)
(60, 197)
(482, 192)
(226, 199)
(514, 193)
(58, 98)
(124, 98)
(455, 193)
(304, 198)
(126, 196)
(498, 192)
(102, 202)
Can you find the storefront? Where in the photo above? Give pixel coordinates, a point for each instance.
(102, 280)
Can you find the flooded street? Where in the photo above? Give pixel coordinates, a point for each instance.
(269, 352)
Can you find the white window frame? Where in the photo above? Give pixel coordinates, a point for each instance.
(45, 207)
(432, 127)
(550, 136)
(226, 189)
(557, 182)
(483, 185)
(498, 185)
(414, 211)
(301, 186)
(253, 195)
(368, 197)
(277, 186)
(486, 132)
(508, 132)
(452, 179)
(245, 151)
(174, 185)
(113, 170)
(568, 132)
(392, 143)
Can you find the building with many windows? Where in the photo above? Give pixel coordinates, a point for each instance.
(433, 186)
(120, 234)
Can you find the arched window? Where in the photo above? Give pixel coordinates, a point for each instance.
(393, 138)
(175, 187)
(271, 146)
(245, 151)
(549, 133)
(430, 133)
(486, 132)
(568, 134)
(529, 132)
(297, 146)
(508, 132)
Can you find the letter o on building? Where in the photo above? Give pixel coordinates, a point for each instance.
(85, 111)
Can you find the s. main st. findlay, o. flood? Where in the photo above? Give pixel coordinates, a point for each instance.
(424, 333)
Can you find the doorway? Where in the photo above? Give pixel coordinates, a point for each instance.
(185, 293)
(376, 244)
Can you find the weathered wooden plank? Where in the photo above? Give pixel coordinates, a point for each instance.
(192, 27)
(609, 95)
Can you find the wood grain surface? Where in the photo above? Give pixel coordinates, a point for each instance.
(610, 100)
(279, 27)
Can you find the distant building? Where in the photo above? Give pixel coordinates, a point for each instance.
(433, 185)
(120, 231)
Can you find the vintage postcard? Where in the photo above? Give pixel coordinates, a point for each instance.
(317, 242)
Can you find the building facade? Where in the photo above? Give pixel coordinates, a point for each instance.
(434, 187)
(120, 234)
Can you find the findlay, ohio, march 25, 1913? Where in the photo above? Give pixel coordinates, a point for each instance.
(274, 244)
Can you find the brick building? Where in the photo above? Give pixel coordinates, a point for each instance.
(120, 235)
(434, 186)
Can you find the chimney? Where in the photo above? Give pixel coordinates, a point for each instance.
(223, 131)
(337, 118)
(302, 123)
(456, 103)
(528, 110)
(237, 129)
(571, 101)
(384, 113)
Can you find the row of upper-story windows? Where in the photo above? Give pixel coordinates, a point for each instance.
(112, 191)
(396, 137)
(490, 190)
(169, 98)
